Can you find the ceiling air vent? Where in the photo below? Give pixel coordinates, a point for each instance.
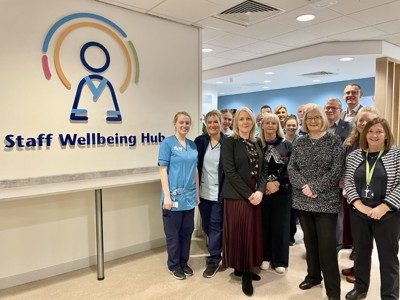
(318, 74)
(249, 12)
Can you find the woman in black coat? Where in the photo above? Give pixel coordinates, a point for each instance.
(244, 186)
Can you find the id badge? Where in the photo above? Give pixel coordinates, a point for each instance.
(367, 193)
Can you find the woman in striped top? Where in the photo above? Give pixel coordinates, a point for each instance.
(372, 184)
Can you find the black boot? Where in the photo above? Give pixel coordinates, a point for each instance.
(247, 285)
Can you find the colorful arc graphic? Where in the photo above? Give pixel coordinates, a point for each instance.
(66, 19)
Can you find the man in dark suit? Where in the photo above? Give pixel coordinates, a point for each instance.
(351, 94)
(333, 109)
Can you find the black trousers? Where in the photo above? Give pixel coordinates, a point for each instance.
(320, 242)
(276, 227)
(386, 233)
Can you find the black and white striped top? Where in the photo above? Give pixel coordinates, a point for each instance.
(391, 163)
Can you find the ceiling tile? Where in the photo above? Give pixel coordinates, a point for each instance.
(232, 41)
(216, 49)
(226, 3)
(234, 54)
(140, 5)
(294, 38)
(391, 27)
(189, 10)
(262, 47)
(380, 14)
(219, 24)
(212, 62)
(348, 7)
(265, 30)
(366, 33)
(322, 15)
(334, 26)
(210, 34)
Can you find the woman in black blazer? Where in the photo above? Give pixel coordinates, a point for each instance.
(244, 186)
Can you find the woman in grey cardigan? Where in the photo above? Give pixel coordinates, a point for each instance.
(315, 168)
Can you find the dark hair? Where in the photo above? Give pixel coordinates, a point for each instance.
(290, 117)
(354, 84)
(265, 106)
(389, 141)
(226, 110)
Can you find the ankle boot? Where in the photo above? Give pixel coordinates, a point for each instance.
(247, 285)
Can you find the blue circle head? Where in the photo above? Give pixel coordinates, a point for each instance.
(89, 67)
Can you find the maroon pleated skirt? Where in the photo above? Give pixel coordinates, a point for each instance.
(242, 235)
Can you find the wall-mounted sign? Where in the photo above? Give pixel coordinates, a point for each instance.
(96, 80)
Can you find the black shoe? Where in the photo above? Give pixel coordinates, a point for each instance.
(352, 255)
(238, 273)
(178, 274)
(355, 295)
(333, 298)
(305, 285)
(247, 285)
(187, 271)
(211, 270)
(255, 277)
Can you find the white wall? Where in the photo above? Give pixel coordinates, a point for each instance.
(45, 236)
(210, 98)
(169, 82)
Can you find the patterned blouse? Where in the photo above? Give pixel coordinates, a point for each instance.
(253, 155)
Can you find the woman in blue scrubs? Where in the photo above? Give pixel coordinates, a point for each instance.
(180, 193)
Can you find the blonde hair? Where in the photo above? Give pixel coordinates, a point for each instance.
(354, 136)
(279, 131)
(235, 134)
(181, 113)
(279, 107)
(216, 113)
(320, 110)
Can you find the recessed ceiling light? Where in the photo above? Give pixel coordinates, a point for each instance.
(219, 82)
(346, 59)
(305, 18)
(317, 80)
(265, 87)
(206, 50)
(269, 73)
(267, 81)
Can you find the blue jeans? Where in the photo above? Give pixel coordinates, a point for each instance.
(212, 219)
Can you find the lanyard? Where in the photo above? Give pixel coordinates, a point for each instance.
(369, 171)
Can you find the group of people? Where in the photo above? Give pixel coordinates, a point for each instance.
(254, 176)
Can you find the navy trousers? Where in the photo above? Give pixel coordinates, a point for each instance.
(212, 220)
(178, 228)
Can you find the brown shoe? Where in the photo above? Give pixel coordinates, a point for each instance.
(347, 272)
(351, 278)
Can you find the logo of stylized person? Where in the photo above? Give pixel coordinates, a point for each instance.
(97, 83)
(81, 114)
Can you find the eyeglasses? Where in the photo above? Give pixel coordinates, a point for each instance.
(333, 108)
(351, 93)
(316, 118)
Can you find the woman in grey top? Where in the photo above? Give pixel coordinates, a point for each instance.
(315, 168)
